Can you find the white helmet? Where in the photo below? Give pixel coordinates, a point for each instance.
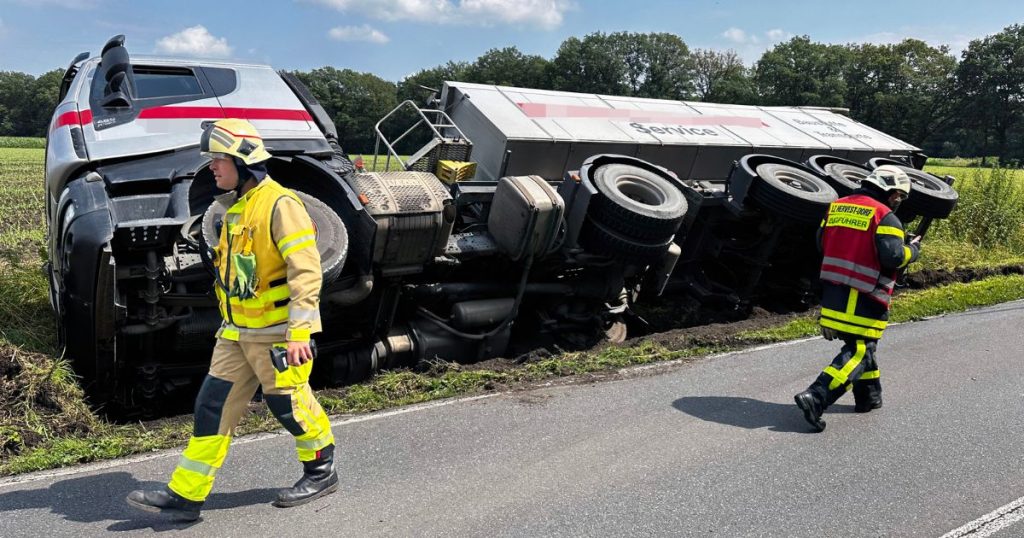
(889, 178)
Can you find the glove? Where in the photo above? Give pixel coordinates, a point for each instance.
(829, 333)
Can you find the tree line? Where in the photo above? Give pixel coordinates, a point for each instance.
(967, 106)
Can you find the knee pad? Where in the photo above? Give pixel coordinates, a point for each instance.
(281, 406)
(210, 405)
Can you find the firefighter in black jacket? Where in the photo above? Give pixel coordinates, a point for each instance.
(864, 247)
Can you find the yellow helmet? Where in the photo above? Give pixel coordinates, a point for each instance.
(234, 137)
(889, 178)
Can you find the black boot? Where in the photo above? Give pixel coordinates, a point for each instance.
(812, 408)
(165, 501)
(867, 404)
(318, 479)
(866, 397)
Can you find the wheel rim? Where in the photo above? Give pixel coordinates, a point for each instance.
(639, 191)
(796, 181)
(923, 183)
(852, 177)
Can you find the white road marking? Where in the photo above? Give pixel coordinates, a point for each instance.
(175, 452)
(991, 523)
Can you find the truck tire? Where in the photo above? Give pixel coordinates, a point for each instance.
(845, 178)
(929, 195)
(331, 235)
(792, 193)
(637, 203)
(597, 238)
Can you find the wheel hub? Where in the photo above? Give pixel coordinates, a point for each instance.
(633, 188)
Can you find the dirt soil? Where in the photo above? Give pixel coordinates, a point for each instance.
(37, 400)
(672, 318)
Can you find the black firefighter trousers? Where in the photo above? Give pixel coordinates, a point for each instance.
(854, 367)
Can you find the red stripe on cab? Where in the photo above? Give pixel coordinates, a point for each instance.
(197, 112)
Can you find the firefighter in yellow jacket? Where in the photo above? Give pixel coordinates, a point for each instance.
(268, 286)
(864, 247)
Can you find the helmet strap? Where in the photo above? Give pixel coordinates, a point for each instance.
(257, 171)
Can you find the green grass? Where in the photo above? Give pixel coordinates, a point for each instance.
(964, 162)
(913, 306)
(940, 252)
(383, 165)
(962, 172)
(990, 213)
(22, 142)
(22, 226)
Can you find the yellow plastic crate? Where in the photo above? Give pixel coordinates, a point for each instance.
(452, 171)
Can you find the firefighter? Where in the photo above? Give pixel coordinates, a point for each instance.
(268, 286)
(864, 247)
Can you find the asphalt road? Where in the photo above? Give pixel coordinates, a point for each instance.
(710, 448)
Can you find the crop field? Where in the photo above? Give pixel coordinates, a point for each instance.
(21, 203)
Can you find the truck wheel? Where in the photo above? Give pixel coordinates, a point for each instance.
(331, 235)
(845, 178)
(792, 193)
(597, 238)
(636, 202)
(929, 195)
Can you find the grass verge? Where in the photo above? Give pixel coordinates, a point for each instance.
(912, 306)
(22, 142)
(391, 389)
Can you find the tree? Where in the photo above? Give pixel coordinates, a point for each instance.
(6, 125)
(411, 88)
(799, 72)
(16, 97)
(42, 101)
(355, 101)
(901, 89)
(657, 65)
(27, 102)
(590, 65)
(721, 77)
(990, 88)
(509, 67)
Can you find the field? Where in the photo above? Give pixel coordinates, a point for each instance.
(21, 201)
(44, 421)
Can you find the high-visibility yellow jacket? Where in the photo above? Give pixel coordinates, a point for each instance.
(282, 299)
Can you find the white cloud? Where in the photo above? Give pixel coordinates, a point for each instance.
(751, 45)
(777, 35)
(740, 36)
(358, 33)
(735, 35)
(195, 41)
(547, 14)
(947, 35)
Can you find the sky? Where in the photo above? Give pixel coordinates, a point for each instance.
(396, 38)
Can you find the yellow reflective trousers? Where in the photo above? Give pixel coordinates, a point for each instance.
(236, 369)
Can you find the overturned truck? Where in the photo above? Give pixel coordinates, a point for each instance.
(518, 217)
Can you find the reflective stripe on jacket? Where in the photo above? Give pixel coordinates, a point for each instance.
(851, 255)
(271, 225)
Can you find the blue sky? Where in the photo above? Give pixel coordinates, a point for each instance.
(395, 38)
